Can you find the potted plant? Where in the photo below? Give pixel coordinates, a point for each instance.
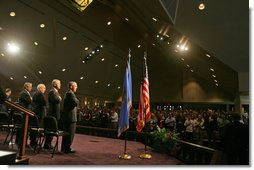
(163, 141)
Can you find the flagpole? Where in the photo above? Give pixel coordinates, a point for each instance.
(145, 155)
(125, 155)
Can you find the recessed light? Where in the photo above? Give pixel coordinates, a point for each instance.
(12, 14)
(93, 52)
(211, 69)
(116, 65)
(101, 46)
(161, 38)
(154, 19)
(63, 69)
(64, 38)
(188, 65)
(208, 55)
(215, 81)
(118, 87)
(81, 78)
(126, 19)
(86, 48)
(25, 77)
(42, 25)
(201, 6)
(216, 84)
(11, 78)
(177, 45)
(83, 61)
(139, 46)
(1, 28)
(2, 54)
(109, 23)
(40, 72)
(192, 71)
(158, 36)
(108, 85)
(96, 81)
(214, 75)
(102, 59)
(153, 44)
(186, 48)
(35, 43)
(13, 48)
(182, 59)
(98, 50)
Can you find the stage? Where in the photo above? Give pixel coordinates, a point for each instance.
(93, 150)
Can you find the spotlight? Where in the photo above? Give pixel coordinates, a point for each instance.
(13, 48)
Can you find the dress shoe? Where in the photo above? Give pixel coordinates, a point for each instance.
(70, 151)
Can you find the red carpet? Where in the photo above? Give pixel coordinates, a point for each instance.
(92, 150)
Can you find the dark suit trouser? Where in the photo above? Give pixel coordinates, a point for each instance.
(67, 140)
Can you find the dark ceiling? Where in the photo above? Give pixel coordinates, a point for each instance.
(221, 31)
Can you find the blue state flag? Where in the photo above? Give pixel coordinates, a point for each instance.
(127, 101)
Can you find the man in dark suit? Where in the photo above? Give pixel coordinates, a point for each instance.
(2, 96)
(69, 116)
(54, 100)
(25, 98)
(39, 108)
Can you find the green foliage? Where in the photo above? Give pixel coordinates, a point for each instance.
(162, 140)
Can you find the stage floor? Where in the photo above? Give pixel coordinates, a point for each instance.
(93, 150)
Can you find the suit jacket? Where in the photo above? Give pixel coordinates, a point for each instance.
(25, 99)
(70, 107)
(54, 100)
(2, 96)
(39, 105)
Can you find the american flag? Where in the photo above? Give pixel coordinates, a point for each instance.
(144, 103)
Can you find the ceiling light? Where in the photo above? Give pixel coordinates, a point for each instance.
(102, 59)
(63, 69)
(42, 25)
(83, 61)
(64, 38)
(208, 55)
(11, 78)
(167, 35)
(126, 19)
(116, 65)
(118, 87)
(25, 77)
(211, 69)
(108, 85)
(177, 45)
(186, 48)
(161, 38)
(12, 14)
(98, 50)
(35, 43)
(192, 71)
(216, 84)
(201, 6)
(168, 42)
(81, 78)
(154, 19)
(101, 46)
(215, 81)
(158, 36)
(214, 75)
(2, 54)
(182, 59)
(188, 65)
(13, 48)
(153, 44)
(139, 46)
(40, 72)
(1, 28)
(109, 23)
(86, 48)
(93, 52)
(96, 81)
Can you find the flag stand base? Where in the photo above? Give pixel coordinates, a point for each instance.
(145, 156)
(124, 156)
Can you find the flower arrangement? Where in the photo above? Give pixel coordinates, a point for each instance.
(163, 141)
